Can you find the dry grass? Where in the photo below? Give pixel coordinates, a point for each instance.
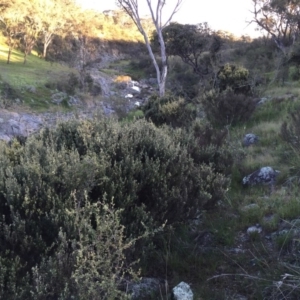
(122, 78)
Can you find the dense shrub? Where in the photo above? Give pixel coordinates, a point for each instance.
(208, 145)
(227, 107)
(182, 80)
(170, 110)
(234, 77)
(68, 85)
(72, 83)
(66, 194)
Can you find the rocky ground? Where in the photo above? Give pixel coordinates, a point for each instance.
(124, 94)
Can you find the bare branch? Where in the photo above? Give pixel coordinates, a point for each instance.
(175, 10)
(132, 9)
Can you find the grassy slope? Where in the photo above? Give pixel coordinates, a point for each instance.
(35, 73)
(185, 256)
(258, 257)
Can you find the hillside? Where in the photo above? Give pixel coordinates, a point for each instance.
(108, 191)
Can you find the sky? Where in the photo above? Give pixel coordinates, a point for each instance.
(227, 15)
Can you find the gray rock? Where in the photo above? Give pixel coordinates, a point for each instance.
(250, 139)
(279, 233)
(146, 288)
(73, 101)
(254, 229)
(265, 175)
(135, 90)
(236, 250)
(31, 88)
(182, 291)
(263, 100)
(252, 206)
(108, 110)
(57, 98)
(4, 137)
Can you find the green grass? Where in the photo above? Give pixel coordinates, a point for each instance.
(133, 115)
(229, 223)
(35, 73)
(185, 257)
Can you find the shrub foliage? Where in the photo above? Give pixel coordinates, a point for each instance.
(74, 199)
(170, 110)
(233, 77)
(227, 107)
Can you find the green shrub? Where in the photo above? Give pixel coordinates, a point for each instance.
(233, 77)
(227, 107)
(208, 145)
(60, 237)
(72, 84)
(68, 85)
(170, 110)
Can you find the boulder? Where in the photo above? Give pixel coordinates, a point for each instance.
(265, 175)
(146, 288)
(250, 139)
(182, 291)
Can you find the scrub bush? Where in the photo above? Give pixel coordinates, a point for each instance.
(75, 199)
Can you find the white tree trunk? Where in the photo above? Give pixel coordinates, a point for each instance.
(132, 9)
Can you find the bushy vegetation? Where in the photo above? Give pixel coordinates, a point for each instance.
(170, 110)
(227, 107)
(233, 77)
(89, 206)
(71, 196)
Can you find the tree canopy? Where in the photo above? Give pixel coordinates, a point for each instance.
(28, 21)
(188, 42)
(280, 19)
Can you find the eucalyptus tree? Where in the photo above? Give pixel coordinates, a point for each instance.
(189, 42)
(280, 19)
(57, 19)
(132, 8)
(10, 23)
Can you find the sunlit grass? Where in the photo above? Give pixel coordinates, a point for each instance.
(35, 72)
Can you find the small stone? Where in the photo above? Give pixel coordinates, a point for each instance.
(135, 89)
(250, 139)
(182, 291)
(265, 175)
(145, 288)
(254, 229)
(263, 100)
(251, 206)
